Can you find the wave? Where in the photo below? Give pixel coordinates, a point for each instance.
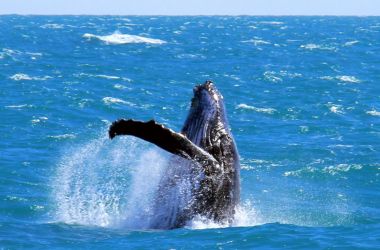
(313, 46)
(350, 43)
(19, 106)
(351, 79)
(118, 38)
(21, 76)
(114, 77)
(17, 55)
(190, 56)
(342, 78)
(62, 137)
(272, 77)
(272, 22)
(110, 77)
(119, 86)
(256, 42)
(39, 119)
(276, 77)
(112, 100)
(52, 26)
(331, 170)
(373, 112)
(334, 108)
(260, 110)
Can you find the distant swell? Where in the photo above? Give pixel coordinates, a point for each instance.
(118, 38)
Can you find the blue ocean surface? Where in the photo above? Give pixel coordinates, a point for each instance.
(303, 102)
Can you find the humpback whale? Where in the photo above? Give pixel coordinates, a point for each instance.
(202, 177)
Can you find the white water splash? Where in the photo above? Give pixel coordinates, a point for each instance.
(113, 184)
(106, 183)
(245, 216)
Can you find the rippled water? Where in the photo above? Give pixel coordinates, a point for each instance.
(302, 95)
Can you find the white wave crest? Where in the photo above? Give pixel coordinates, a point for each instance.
(119, 86)
(21, 106)
(118, 38)
(260, 110)
(112, 100)
(350, 79)
(313, 46)
(110, 77)
(256, 42)
(331, 170)
(335, 108)
(272, 22)
(62, 137)
(342, 78)
(373, 112)
(271, 76)
(276, 77)
(350, 43)
(21, 76)
(17, 55)
(39, 119)
(52, 26)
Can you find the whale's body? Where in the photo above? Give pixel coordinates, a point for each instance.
(202, 178)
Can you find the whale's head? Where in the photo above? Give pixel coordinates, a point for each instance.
(206, 96)
(207, 114)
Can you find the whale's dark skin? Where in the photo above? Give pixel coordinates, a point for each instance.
(207, 144)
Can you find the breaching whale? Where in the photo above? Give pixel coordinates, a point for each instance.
(202, 177)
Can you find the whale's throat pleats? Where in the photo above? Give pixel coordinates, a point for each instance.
(198, 126)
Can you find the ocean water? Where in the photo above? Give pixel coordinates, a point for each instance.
(303, 102)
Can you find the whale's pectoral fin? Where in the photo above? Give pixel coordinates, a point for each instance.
(163, 137)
